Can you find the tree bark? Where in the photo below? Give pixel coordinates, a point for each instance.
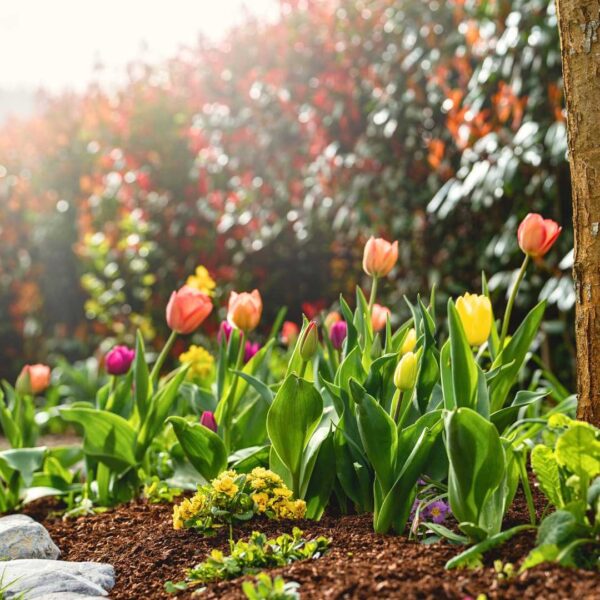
(579, 25)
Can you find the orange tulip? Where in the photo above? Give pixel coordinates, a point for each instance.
(536, 235)
(244, 310)
(379, 257)
(379, 315)
(289, 333)
(187, 309)
(33, 379)
(332, 318)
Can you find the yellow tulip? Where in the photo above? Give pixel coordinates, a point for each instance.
(410, 341)
(406, 372)
(476, 317)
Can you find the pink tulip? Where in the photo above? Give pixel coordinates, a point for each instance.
(338, 333)
(536, 235)
(250, 350)
(225, 330)
(208, 420)
(379, 315)
(187, 309)
(118, 360)
(33, 379)
(379, 257)
(332, 318)
(244, 310)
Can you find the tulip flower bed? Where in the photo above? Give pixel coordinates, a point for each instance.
(435, 429)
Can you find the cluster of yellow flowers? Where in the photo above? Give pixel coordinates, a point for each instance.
(201, 362)
(271, 495)
(262, 492)
(202, 281)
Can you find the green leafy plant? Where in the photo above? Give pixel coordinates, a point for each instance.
(568, 472)
(232, 497)
(265, 588)
(159, 492)
(251, 556)
(17, 417)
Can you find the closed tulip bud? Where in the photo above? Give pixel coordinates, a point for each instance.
(289, 333)
(332, 318)
(379, 257)
(208, 420)
(410, 341)
(379, 315)
(250, 350)
(536, 235)
(309, 342)
(118, 360)
(475, 314)
(225, 330)
(33, 379)
(406, 372)
(244, 310)
(187, 309)
(338, 334)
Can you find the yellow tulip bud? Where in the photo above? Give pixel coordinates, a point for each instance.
(475, 314)
(410, 341)
(406, 372)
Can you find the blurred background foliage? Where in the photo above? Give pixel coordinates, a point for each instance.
(271, 156)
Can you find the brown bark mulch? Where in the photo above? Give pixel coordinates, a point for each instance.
(138, 539)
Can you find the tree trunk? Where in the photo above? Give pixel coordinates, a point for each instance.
(579, 25)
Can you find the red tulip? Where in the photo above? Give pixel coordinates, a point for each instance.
(118, 360)
(379, 257)
(187, 309)
(244, 310)
(208, 420)
(33, 379)
(536, 234)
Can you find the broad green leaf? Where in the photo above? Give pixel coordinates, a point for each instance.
(462, 362)
(578, 450)
(291, 421)
(378, 434)
(545, 467)
(24, 460)
(321, 480)
(351, 368)
(9, 427)
(514, 351)
(107, 437)
(202, 447)
(559, 528)
(397, 503)
(446, 377)
(477, 463)
(505, 417)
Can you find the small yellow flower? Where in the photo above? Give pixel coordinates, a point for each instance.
(261, 500)
(201, 362)
(475, 313)
(282, 492)
(201, 280)
(225, 485)
(257, 483)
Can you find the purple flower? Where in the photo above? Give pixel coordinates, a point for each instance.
(225, 330)
(208, 420)
(437, 511)
(118, 360)
(338, 333)
(250, 350)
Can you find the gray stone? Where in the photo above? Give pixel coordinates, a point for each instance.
(68, 596)
(22, 537)
(37, 578)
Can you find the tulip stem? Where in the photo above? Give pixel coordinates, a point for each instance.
(511, 301)
(395, 407)
(160, 361)
(405, 403)
(303, 368)
(373, 293)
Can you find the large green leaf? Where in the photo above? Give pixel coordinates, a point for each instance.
(291, 421)
(377, 433)
(107, 437)
(141, 374)
(26, 461)
(578, 450)
(463, 365)
(321, 479)
(514, 352)
(203, 448)
(477, 462)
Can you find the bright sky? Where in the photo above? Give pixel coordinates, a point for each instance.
(56, 43)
